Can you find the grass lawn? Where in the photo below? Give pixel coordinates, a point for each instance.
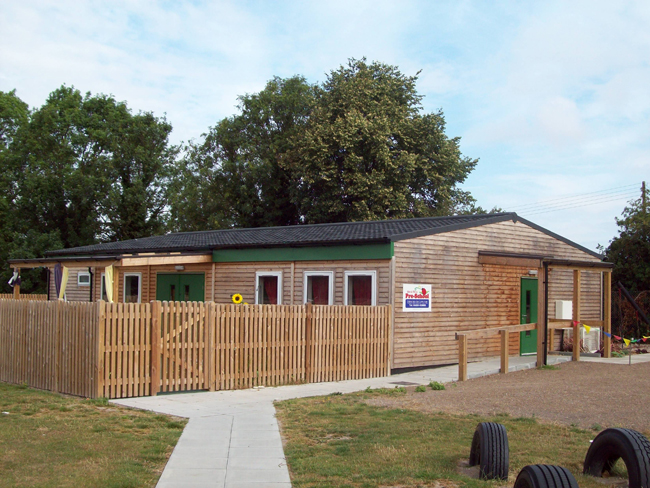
(53, 440)
(340, 441)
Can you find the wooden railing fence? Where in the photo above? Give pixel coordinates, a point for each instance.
(118, 350)
(504, 346)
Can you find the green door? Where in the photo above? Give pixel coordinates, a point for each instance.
(528, 339)
(180, 287)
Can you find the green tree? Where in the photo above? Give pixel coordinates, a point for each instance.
(85, 169)
(14, 114)
(368, 152)
(236, 176)
(630, 251)
(63, 153)
(141, 158)
(357, 147)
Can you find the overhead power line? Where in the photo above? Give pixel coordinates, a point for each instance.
(627, 192)
(618, 190)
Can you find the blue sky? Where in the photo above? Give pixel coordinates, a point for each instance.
(552, 97)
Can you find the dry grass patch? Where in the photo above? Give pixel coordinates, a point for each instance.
(50, 440)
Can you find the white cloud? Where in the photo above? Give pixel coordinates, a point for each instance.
(552, 96)
(560, 121)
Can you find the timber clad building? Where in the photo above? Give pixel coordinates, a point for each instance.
(483, 271)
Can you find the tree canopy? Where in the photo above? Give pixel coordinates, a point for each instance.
(630, 251)
(356, 147)
(236, 176)
(79, 170)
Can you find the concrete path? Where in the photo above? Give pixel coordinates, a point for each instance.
(232, 439)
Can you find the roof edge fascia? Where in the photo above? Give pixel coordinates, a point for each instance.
(559, 237)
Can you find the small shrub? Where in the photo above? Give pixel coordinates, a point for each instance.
(436, 385)
(420, 388)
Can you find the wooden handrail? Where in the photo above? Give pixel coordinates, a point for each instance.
(504, 332)
(568, 323)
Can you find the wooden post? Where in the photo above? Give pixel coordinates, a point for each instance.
(576, 315)
(541, 316)
(17, 287)
(214, 268)
(462, 357)
(505, 356)
(116, 284)
(607, 314)
(155, 347)
(100, 349)
(389, 338)
(57, 345)
(212, 347)
(308, 333)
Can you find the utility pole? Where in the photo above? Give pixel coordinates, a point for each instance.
(643, 196)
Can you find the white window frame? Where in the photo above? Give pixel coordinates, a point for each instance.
(139, 275)
(330, 291)
(373, 288)
(258, 275)
(80, 274)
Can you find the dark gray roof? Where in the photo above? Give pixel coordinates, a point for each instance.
(295, 235)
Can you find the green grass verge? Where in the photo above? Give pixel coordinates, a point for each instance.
(340, 441)
(50, 440)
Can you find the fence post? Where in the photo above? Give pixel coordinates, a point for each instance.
(210, 320)
(308, 339)
(462, 357)
(57, 345)
(505, 353)
(389, 337)
(155, 347)
(100, 349)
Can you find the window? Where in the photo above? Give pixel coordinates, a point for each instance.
(319, 287)
(83, 278)
(361, 288)
(132, 287)
(268, 290)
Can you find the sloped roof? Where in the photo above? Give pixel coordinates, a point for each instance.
(381, 231)
(295, 235)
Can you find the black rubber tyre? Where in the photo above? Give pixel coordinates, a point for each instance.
(490, 450)
(545, 476)
(614, 444)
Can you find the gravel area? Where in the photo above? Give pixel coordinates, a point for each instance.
(576, 393)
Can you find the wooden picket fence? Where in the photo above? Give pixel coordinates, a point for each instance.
(34, 296)
(118, 350)
(50, 345)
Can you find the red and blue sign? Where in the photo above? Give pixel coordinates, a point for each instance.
(416, 298)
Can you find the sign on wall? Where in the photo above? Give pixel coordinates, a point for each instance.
(417, 298)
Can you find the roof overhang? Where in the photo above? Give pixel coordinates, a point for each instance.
(539, 261)
(129, 260)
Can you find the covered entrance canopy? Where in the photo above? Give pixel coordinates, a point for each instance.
(120, 263)
(542, 264)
